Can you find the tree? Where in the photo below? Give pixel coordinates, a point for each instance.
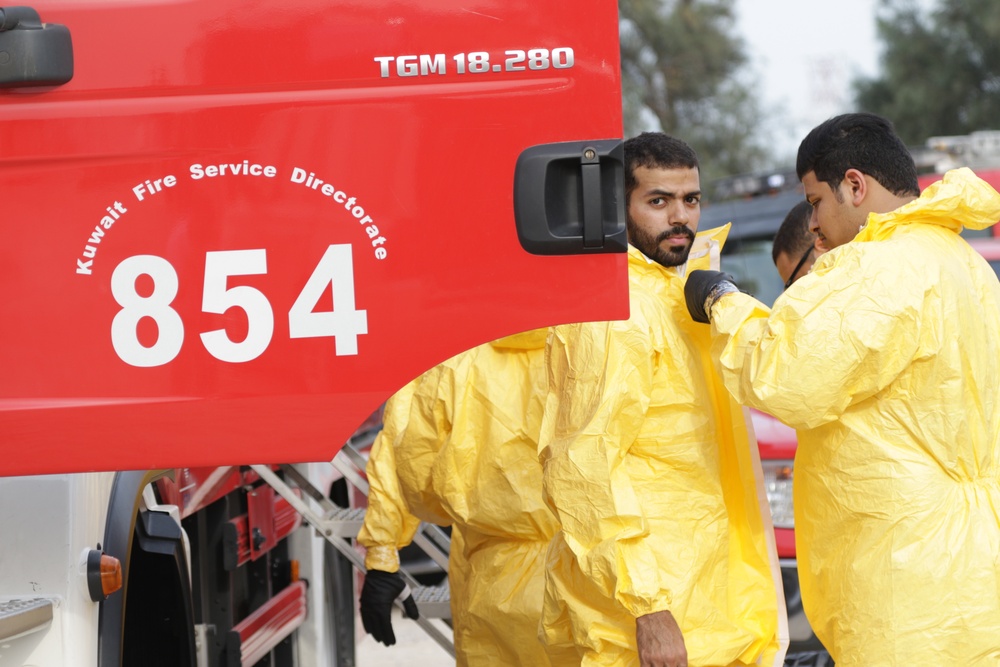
(940, 71)
(683, 71)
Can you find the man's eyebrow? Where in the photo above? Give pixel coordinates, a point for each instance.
(666, 193)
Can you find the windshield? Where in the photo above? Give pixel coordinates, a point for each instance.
(749, 262)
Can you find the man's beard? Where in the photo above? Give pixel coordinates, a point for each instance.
(650, 246)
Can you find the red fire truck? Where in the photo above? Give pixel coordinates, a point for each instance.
(232, 230)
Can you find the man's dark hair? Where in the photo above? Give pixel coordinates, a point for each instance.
(655, 150)
(793, 235)
(863, 141)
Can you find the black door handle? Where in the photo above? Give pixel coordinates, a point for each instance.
(33, 53)
(569, 198)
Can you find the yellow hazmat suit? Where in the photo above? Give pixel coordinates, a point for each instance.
(468, 458)
(886, 358)
(656, 481)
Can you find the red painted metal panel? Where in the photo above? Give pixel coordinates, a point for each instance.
(285, 520)
(157, 315)
(260, 520)
(191, 489)
(785, 542)
(262, 630)
(774, 439)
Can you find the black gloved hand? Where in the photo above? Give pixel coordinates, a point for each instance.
(699, 285)
(378, 593)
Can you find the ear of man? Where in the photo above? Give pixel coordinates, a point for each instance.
(857, 185)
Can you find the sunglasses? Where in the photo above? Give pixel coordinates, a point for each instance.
(795, 271)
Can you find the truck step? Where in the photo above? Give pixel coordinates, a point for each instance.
(345, 521)
(433, 601)
(254, 637)
(23, 616)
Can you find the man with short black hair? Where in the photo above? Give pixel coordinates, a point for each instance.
(795, 247)
(885, 359)
(665, 557)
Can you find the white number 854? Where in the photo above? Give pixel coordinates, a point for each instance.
(336, 268)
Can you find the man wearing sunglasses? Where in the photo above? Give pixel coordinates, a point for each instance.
(795, 246)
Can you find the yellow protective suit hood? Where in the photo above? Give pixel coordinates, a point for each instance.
(960, 199)
(654, 476)
(886, 358)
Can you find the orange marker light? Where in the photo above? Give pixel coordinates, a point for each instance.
(111, 574)
(104, 575)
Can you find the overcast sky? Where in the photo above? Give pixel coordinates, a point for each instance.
(805, 54)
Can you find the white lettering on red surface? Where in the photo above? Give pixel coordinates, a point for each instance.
(153, 186)
(476, 62)
(245, 168)
(311, 316)
(309, 180)
(147, 188)
(113, 214)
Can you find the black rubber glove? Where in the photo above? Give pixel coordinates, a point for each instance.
(701, 284)
(378, 593)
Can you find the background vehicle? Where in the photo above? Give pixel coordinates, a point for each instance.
(232, 231)
(756, 205)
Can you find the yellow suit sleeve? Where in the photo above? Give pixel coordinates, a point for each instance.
(389, 525)
(429, 426)
(831, 341)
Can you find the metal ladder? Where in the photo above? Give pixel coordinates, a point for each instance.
(336, 523)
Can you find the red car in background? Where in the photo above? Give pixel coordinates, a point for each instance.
(756, 205)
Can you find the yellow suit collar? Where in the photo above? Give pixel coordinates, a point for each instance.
(960, 199)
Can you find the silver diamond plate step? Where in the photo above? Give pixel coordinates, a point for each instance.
(433, 601)
(22, 616)
(346, 522)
